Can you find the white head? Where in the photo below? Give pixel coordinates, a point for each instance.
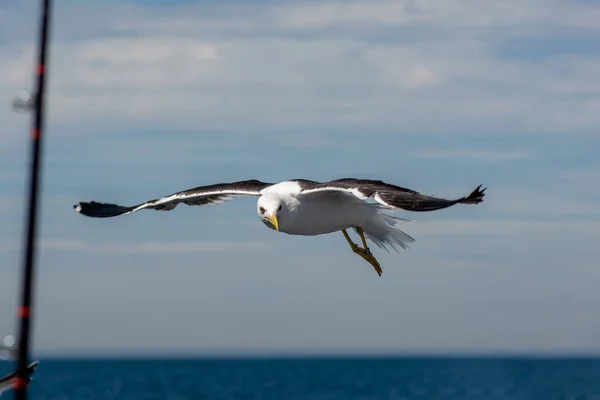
(271, 209)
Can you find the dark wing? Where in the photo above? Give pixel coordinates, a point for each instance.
(388, 194)
(199, 196)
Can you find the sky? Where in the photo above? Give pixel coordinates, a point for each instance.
(148, 98)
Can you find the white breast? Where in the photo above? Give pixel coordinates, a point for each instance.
(325, 212)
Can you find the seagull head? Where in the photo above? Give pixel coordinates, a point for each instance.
(270, 209)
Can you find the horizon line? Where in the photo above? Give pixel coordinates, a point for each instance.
(296, 354)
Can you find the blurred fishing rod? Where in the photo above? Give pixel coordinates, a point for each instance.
(20, 380)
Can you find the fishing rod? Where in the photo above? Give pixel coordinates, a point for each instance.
(24, 311)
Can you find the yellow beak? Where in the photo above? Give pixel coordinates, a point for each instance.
(274, 221)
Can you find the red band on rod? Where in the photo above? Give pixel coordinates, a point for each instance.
(41, 69)
(20, 383)
(23, 312)
(36, 133)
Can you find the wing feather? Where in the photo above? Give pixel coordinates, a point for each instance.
(389, 195)
(198, 196)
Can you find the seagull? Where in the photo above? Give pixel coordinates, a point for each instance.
(309, 208)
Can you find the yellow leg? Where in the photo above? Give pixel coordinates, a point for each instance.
(361, 232)
(353, 245)
(364, 253)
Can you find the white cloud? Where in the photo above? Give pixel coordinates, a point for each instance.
(489, 156)
(315, 65)
(502, 227)
(10, 203)
(580, 182)
(552, 203)
(421, 76)
(528, 15)
(148, 248)
(361, 68)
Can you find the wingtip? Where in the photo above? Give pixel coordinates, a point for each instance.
(479, 193)
(101, 210)
(476, 195)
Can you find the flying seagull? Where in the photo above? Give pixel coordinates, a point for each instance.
(305, 207)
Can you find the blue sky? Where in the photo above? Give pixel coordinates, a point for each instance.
(148, 98)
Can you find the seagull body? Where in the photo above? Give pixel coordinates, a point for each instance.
(318, 214)
(309, 208)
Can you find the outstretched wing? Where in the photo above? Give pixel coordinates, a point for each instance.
(389, 195)
(199, 196)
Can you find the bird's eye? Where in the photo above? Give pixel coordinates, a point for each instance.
(262, 210)
(279, 209)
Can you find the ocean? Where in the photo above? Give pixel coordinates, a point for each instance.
(315, 379)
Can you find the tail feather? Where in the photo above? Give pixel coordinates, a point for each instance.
(385, 233)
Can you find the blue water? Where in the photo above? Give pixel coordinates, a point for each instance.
(316, 379)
